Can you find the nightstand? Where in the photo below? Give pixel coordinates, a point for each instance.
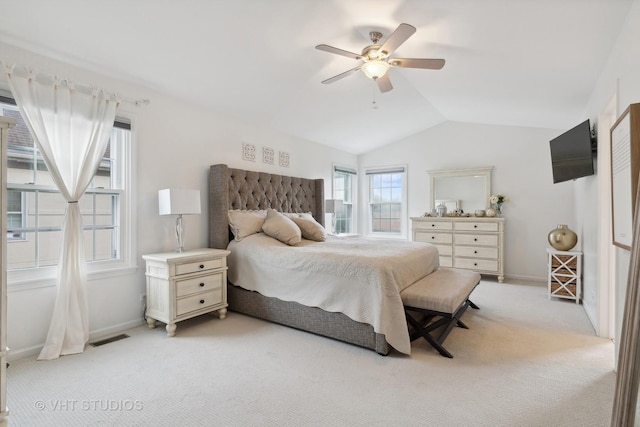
(182, 285)
(565, 274)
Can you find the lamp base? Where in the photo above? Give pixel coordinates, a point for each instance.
(180, 234)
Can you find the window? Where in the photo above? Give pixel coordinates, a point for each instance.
(387, 195)
(344, 185)
(16, 217)
(35, 208)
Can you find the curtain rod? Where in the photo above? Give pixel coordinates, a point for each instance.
(28, 71)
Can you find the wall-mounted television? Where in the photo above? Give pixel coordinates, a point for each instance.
(573, 153)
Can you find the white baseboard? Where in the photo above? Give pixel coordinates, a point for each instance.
(96, 335)
(519, 277)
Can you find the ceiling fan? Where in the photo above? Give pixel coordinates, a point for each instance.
(375, 61)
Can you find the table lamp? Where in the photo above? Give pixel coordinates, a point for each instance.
(174, 201)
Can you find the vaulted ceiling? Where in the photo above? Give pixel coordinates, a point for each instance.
(510, 62)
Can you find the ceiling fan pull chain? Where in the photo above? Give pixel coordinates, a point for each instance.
(373, 87)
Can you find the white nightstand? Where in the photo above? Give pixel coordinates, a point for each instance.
(184, 285)
(565, 274)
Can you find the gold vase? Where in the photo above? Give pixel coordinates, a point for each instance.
(563, 238)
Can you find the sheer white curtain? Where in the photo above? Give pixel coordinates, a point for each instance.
(71, 128)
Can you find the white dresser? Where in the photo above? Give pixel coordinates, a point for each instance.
(474, 243)
(187, 284)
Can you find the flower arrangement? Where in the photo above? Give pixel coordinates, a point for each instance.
(497, 200)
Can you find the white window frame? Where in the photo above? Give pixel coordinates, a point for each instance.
(339, 168)
(369, 171)
(30, 278)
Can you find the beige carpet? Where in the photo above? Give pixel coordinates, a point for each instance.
(525, 361)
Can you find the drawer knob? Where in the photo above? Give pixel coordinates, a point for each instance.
(433, 225)
(433, 237)
(475, 252)
(475, 264)
(201, 265)
(202, 285)
(475, 226)
(475, 239)
(201, 301)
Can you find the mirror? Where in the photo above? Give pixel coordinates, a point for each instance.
(466, 189)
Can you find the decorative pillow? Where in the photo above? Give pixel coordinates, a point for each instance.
(310, 228)
(244, 223)
(282, 228)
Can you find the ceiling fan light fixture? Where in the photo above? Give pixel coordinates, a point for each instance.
(375, 69)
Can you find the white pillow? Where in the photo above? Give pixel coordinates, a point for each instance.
(310, 228)
(282, 228)
(244, 223)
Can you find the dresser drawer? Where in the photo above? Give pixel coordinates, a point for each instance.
(432, 225)
(446, 250)
(476, 239)
(476, 252)
(198, 301)
(198, 284)
(476, 226)
(476, 264)
(442, 238)
(446, 261)
(192, 267)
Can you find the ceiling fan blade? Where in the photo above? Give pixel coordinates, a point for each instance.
(342, 75)
(331, 49)
(430, 64)
(399, 36)
(384, 83)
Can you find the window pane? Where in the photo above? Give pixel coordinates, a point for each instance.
(385, 195)
(49, 244)
(21, 254)
(396, 195)
(51, 208)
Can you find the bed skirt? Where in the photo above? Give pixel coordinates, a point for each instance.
(311, 319)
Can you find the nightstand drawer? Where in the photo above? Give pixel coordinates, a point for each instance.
(198, 301)
(192, 267)
(198, 284)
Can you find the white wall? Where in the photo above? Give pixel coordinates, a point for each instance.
(521, 170)
(175, 144)
(621, 79)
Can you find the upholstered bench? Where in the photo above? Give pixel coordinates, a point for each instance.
(437, 302)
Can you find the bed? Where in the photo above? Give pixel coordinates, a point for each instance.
(237, 189)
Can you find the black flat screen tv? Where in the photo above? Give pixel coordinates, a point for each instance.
(572, 153)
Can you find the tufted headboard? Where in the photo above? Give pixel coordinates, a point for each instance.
(241, 189)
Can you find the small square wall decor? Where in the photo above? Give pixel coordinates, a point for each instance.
(284, 159)
(248, 152)
(268, 155)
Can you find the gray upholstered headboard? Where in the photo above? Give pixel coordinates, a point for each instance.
(241, 189)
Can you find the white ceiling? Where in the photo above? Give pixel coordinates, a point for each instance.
(511, 62)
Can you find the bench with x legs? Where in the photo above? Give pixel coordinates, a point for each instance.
(434, 305)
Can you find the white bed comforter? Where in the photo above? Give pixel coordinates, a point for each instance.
(361, 278)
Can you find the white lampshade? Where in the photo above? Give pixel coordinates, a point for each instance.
(332, 206)
(375, 69)
(176, 201)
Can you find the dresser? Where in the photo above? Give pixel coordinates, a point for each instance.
(182, 285)
(474, 243)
